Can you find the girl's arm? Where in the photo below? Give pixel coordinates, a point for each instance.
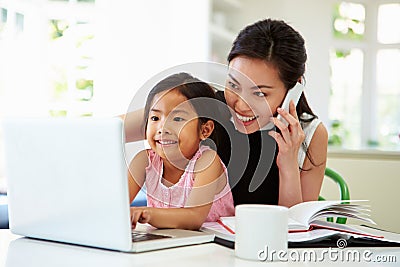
(134, 125)
(296, 187)
(210, 179)
(137, 174)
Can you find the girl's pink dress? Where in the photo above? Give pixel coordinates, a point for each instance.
(176, 196)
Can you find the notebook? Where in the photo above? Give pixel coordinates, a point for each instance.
(67, 182)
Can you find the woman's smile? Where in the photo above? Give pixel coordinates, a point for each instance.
(245, 118)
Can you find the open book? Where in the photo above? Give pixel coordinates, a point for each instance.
(306, 215)
(306, 222)
(359, 234)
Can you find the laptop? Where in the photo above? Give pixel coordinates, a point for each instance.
(67, 182)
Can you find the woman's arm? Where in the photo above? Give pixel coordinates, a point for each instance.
(312, 176)
(134, 125)
(296, 187)
(209, 180)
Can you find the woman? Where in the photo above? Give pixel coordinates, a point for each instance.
(281, 165)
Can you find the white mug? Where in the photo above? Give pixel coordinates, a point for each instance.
(261, 232)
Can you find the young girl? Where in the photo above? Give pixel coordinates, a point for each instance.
(186, 181)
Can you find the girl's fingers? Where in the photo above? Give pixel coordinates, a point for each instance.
(135, 217)
(144, 217)
(133, 222)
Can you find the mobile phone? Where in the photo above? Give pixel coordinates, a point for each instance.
(292, 94)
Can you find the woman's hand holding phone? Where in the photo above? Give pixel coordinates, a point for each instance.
(292, 94)
(287, 121)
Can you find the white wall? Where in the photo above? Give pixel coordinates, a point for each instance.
(371, 177)
(139, 39)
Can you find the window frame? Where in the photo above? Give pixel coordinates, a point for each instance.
(370, 47)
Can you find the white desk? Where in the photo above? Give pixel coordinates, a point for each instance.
(22, 252)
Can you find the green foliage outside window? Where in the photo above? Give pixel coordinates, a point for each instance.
(61, 32)
(348, 21)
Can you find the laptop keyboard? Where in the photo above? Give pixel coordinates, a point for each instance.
(143, 236)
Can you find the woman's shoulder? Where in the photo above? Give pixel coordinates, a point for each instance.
(313, 128)
(309, 123)
(316, 138)
(318, 146)
(320, 134)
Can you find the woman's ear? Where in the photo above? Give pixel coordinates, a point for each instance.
(299, 80)
(206, 129)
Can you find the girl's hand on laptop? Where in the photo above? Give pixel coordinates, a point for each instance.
(139, 214)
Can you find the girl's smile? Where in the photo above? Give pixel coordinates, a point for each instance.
(166, 142)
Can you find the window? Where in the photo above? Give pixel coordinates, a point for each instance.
(365, 85)
(19, 23)
(47, 58)
(3, 19)
(110, 49)
(346, 79)
(46, 52)
(388, 18)
(70, 67)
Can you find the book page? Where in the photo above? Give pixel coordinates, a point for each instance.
(294, 225)
(218, 230)
(314, 235)
(333, 213)
(304, 213)
(328, 229)
(386, 235)
(352, 230)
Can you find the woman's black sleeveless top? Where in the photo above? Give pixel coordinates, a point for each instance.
(250, 160)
